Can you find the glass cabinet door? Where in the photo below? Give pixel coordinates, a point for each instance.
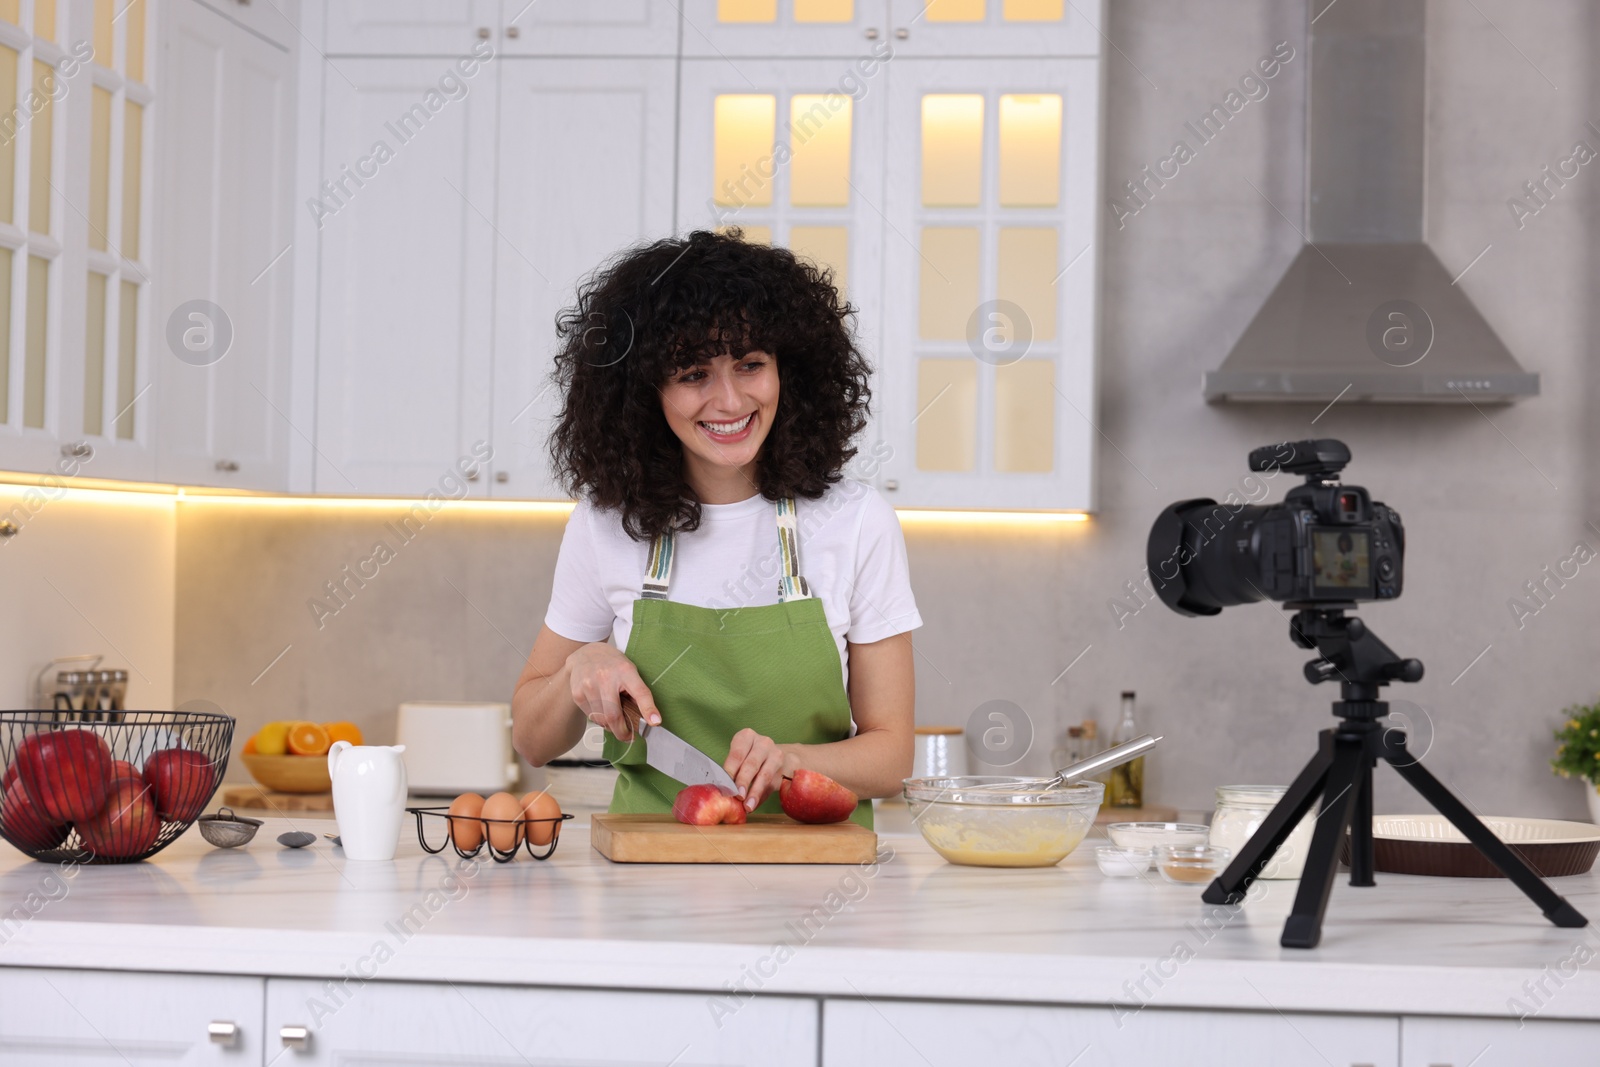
(996, 27)
(732, 28)
(793, 156)
(74, 183)
(989, 330)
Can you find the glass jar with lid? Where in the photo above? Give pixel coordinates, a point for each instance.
(1241, 809)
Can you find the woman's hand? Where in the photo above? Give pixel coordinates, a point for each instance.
(755, 763)
(600, 676)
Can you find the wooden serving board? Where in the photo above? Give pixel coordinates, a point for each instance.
(255, 798)
(764, 839)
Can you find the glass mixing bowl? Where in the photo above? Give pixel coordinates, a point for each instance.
(991, 821)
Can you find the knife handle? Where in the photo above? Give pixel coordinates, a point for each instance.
(630, 708)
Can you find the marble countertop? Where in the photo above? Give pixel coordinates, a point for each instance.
(910, 926)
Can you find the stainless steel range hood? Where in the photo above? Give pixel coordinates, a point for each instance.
(1366, 311)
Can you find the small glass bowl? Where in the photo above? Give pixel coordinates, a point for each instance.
(1191, 865)
(1116, 862)
(1152, 834)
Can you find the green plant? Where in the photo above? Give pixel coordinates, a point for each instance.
(1578, 747)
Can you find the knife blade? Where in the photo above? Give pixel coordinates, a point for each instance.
(675, 757)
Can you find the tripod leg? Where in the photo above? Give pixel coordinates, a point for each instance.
(1361, 830)
(1253, 857)
(1554, 906)
(1303, 928)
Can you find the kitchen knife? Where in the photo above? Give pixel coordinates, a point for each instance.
(675, 757)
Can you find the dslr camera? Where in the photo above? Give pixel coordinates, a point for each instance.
(1326, 544)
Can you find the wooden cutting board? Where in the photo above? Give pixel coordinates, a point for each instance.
(764, 839)
(255, 798)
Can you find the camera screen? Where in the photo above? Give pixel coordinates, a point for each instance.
(1340, 558)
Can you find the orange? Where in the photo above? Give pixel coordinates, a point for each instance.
(343, 731)
(249, 747)
(308, 739)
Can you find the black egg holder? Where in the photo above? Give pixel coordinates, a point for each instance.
(499, 855)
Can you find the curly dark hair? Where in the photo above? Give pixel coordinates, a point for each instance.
(660, 308)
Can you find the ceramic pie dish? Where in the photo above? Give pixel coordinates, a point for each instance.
(1429, 844)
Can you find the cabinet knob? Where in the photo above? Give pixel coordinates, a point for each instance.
(224, 1033)
(901, 34)
(483, 33)
(502, 476)
(77, 449)
(228, 465)
(872, 33)
(9, 528)
(297, 1038)
(891, 485)
(513, 33)
(472, 475)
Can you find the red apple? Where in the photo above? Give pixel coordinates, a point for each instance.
(66, 772)
(813, 797)
(706, 805)
(182, 780)
(11, 777)
(25, 824)
(126, 826)
(121, 768)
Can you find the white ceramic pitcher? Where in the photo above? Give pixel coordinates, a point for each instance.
(369, 798)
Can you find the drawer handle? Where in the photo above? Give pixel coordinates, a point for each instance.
(228, 465)
(297, 1038)
(871, 33)
(224, 1033)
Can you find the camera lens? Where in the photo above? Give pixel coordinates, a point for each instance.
(1204, 556)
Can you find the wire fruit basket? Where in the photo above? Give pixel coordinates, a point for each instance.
(524, 831)
(115, 788)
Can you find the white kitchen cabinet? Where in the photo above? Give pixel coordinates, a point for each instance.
(583, 27)
(583, 149)
(990, 327)
(409, 27)
(451, 1024)
(729, 29)
(75, 356)
(407, 235)
(1008, 28)
(882, 1033)
(225, 226)
(1460, 1042)
(795, 159)
(277, 21)
(112, 1018)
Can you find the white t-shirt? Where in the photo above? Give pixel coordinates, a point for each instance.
(852, 555)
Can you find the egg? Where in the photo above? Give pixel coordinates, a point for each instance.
(506, 833)
(465, 829)
(541, 806)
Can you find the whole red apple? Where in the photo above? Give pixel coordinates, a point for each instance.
(182, 780)
(706, 805)
(126, 826)
(67, 773)
(121, 768)
(813, 797)
(25, 824)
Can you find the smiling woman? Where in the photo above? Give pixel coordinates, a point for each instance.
(712, 391)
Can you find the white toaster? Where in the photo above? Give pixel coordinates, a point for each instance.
(457, 747)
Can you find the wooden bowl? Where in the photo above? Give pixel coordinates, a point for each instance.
(289, 774)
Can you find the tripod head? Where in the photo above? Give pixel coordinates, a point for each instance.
(1352, 655)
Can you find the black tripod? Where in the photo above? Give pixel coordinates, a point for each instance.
(1341, 774)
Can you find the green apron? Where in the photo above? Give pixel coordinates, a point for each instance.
(713, 672)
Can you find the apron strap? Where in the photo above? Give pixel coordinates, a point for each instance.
(791, 584)
(658, 568)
